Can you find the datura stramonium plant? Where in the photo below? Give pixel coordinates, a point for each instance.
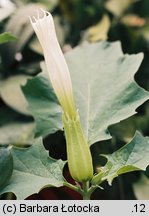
(78, 152)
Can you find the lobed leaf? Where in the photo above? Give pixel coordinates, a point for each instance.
(133, 156)
(104, 89)
(6, 166)
(104, 86)
(33, 170)
(43, 105)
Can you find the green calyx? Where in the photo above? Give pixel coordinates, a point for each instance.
(99, 177)
(78, 151)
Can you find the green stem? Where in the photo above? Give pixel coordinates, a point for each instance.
(92, 189)
(73, 187)
(85, 192)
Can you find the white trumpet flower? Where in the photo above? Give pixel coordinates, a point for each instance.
(78, 152)
(57, 68)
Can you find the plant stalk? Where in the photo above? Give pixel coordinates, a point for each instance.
(85, 191)
(73, 187)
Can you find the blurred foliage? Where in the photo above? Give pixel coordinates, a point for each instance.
(76, 21)
(6, 37)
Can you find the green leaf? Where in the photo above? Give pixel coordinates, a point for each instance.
(11, 93)
(6, 37)
(133, 156)
(6, 166)
(126, 129)
(104, 89)
(20, 133)
(43, 105)
(33, 170)
(104, 86)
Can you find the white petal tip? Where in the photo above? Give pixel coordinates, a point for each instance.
(34, 19)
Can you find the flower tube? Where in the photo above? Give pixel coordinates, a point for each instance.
(78, 152)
